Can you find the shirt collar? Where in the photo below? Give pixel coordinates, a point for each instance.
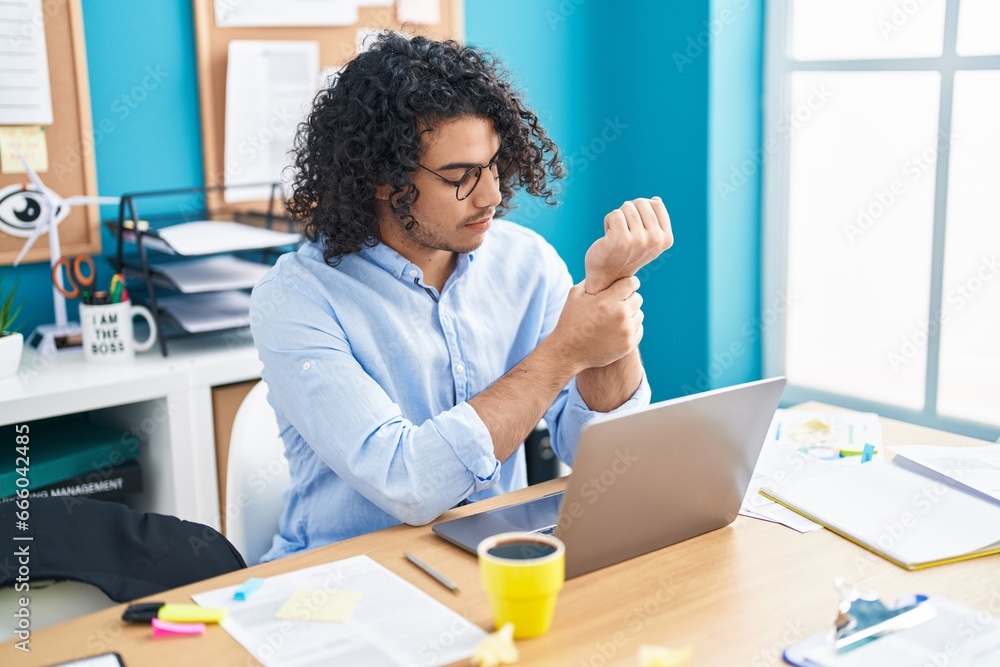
(400, 267)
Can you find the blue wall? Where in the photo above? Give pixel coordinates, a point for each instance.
(676, 86)
(638, 99)
(144, 102)
(735, 162)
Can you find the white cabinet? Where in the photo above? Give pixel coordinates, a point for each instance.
(166, 402)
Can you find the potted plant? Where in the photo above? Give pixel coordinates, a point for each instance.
(11, 342)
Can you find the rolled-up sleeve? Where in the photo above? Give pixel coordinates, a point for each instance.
(569, 414)
(414, 472)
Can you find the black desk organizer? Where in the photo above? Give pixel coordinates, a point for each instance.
(146, 284)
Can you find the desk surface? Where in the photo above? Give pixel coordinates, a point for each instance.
(739, 594)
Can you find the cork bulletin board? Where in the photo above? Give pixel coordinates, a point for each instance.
(69, 138)
(337, 45)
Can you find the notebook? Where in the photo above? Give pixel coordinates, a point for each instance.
(909, 514)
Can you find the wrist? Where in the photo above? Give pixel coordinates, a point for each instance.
(561, 354)
(595, 284)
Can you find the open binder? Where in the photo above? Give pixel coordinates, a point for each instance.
(908, 513)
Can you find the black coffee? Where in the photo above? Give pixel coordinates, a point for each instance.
(522, 550)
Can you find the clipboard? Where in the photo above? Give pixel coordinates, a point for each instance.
(957, 636)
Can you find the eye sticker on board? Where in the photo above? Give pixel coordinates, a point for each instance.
(20, 210)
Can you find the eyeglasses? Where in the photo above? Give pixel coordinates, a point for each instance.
(464, 186)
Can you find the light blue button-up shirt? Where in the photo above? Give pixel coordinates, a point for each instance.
(370, 373)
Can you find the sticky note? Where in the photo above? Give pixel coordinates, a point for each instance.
(247, 588)
(190, 613)
(319, 605)
(497, 649)
(661, 656)
(31, 140)
(867, 453)
(171, 629)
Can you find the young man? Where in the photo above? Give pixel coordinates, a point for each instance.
(416, 340)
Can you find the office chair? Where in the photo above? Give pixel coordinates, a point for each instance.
(256, 477)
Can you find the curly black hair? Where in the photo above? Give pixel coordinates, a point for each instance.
(364, 131)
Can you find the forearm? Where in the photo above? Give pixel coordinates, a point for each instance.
(606, 388)
(515, 403)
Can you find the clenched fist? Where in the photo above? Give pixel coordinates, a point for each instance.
(634, 235)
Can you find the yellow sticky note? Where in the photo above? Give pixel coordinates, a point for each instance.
(661, 656)
(497, 649)
(31, 140)
(319, 605)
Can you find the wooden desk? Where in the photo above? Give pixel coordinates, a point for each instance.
(739, 594)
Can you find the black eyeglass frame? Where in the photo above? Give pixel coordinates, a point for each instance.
(458, 184)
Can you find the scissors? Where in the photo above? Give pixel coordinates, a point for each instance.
(80, 283)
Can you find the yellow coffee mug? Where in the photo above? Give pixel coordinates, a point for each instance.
(522, 574)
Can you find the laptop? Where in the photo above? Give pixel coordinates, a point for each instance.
(645, 479)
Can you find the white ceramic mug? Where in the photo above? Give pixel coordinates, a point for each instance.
(107, 331)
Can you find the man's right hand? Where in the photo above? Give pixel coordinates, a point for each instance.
(595, 330)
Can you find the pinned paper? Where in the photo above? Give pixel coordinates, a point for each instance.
(171, 629)
(497, 649)
(320, 605)
(31, 140)
(247, 588)
(427, 12)
(661, 656)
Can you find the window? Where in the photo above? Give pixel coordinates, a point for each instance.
(882, 206)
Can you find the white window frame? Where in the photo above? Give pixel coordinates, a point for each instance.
(778, 67)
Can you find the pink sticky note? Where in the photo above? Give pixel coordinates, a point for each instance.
(171, 629)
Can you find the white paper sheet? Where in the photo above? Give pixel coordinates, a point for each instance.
(395, 623)
(427, 12)
(204, 237)
(209, 274)
(270, 86)
(976, 468)
(801, 445)
(24, 65)
(214, 311)
(264, 13)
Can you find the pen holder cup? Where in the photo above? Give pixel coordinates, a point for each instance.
(107, 331)
(523, 574)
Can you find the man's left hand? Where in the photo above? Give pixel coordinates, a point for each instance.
(634, 235)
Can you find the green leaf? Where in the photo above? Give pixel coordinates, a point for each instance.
(8, 314)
